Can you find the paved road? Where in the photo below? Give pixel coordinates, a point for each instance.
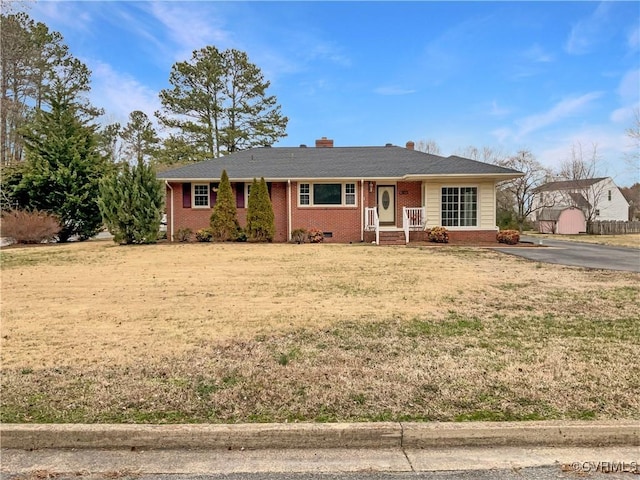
(587, 255)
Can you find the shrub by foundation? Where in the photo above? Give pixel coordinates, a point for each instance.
(315, 235)
(439, 235)
(510, 237)
(299, 235)
(204, 235)
(184, 234)
(30, 226)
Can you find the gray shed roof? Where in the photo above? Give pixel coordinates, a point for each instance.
(302, 163)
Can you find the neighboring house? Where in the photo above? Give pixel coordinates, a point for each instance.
(384, 194)
(598, 198)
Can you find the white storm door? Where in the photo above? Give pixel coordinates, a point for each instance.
(387, 204)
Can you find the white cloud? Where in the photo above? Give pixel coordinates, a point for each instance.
(71, 15)
(120, 94)
(630, 85)
(189, 28)
(560, 111)
(629, 93)
(498, 111)
(622, 114)
(502, 134)
(536, 54)
(587, 31)
(612, 146)
(393, 90)
(633, 40)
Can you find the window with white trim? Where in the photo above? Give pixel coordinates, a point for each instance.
(349, 193)
(305, 196)
(201, 195)
(459, 206)
(327, 194)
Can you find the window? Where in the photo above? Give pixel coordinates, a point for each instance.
(609, 195)
(201, 195)
(350, 194)
(459, 206)
(327, 194)
(321, 194)
(305, 198)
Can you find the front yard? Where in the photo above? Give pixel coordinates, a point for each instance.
(181, 333)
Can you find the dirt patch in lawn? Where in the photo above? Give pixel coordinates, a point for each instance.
(95, 332)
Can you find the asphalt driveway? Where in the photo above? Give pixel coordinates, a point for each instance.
(587, 255)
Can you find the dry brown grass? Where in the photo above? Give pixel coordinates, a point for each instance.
(96, 332)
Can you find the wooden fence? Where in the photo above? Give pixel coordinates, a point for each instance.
(613, 227)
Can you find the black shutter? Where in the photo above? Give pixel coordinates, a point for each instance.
(240, 195)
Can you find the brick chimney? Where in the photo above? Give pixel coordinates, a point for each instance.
(410, 145)
(324, 142)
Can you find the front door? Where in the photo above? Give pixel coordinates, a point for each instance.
(387, 204)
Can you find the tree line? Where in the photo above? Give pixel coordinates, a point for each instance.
(56, 158)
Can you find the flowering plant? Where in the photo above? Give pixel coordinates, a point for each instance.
(315, 235)
(439, 235)
(510, 237)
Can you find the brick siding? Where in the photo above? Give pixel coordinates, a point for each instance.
(344, 222)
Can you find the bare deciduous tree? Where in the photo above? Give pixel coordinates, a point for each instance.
(586, 189)
(633, 156)
(484, 154)
(522, 190)
(428, 146)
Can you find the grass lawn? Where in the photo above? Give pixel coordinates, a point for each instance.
(180, 333)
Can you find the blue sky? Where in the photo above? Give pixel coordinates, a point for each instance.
(506, 75)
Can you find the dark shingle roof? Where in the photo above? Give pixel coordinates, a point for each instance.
(579, 200)
(282, 163)
(569, 184)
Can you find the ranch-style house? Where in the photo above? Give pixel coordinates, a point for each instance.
(386, 194)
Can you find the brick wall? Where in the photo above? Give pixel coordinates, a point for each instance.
(197, 218)
(408, 194)
(343, 222)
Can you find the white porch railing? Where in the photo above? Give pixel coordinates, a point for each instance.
(372, 222)
(413, 219)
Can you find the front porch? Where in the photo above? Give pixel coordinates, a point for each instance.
(412, 229)
(415, 229)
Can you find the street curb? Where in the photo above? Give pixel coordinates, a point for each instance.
(312, 435)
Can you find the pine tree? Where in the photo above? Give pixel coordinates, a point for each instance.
(63, 168)
(131, 202)
(224, 221)
(139, 137)
(260, 217)
(218, 104)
